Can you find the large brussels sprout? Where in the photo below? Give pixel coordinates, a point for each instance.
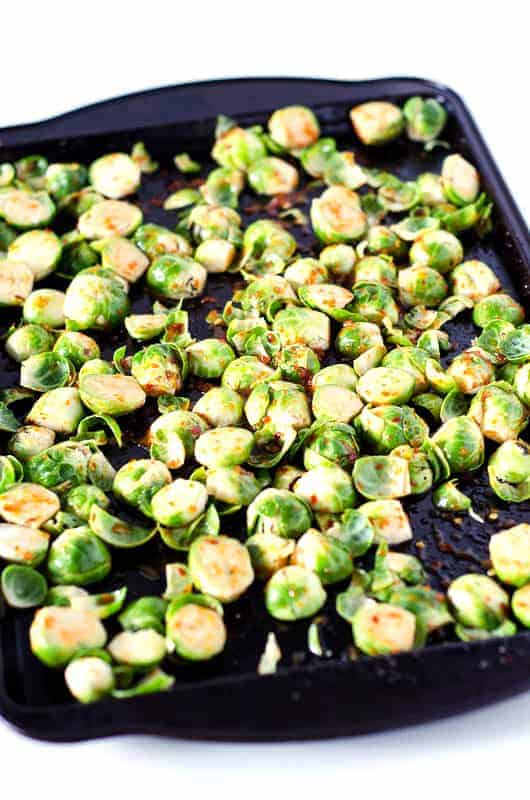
(383, 629)
(478, 602)
(209, 358)
(460, 180)
(326, 488)
(471, 370)
(279, 512)
(23, 209)
(195, 627)
(498, 412)
(377, 122)
(498, 306)
(115, 175)
(439, 250)
(111, 394)
(139, 480)
(179, 503)
(509, 471)
(157, 369)
(421, 285)
(474, 280)
(278, 403)
(294, 593)
(27, 341)
(385, 385)
(238, 148)
(78, 556)
(303, 326)
(58, 633)
(95, 298)
(510, 554)
(220, 566)
(28, 504)
(462, 443)
(337, 216)
(172, 437)
(89, 678)
(23, 545)
(425, 119)
(176, 277)
(77, 347)
(382, 477)
(243, 373)
(60, 410)
(45, 307)
(294, 127)
(385, 427)
(323, 555)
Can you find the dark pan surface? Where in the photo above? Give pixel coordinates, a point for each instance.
(309, 696)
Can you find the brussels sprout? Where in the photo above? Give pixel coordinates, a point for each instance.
(154, 681)
(242, 374)
(521, 383)
(80, 499)
(269, 553)
(45, 307)
(498, 412)
(27, 441)
(341, 169)
(335, 403)
(448, 497)
(220, 407)
(96, 299)
(63, 595)
(195, 627)
(520, 602)
(515, 347)
(143, 648)
(413, 361)
(377, 122)
(373, 302)
(383, 629)
(89, 679)
(298, 363)
(376, 269)
(115, 175)
(220, 566)
(172, 437)
(23, 209)
(338, 260)
(382, 477)
(156, 368)
(412, 227)
(223, 187)
(337, 217)
(28, 504)
(185, 164)
(16, 283)
(384, 385)
(232, 485)
(23, 587)
(179, 503)
(294, 127)
(46, 371)
(474, 280)
(155, 240)
(330, 443)
(431, 190)
(279, 512)
(306, 271)
(207, 523)
(111, 394)
(57, 634)
(215, 255)
(95, 366)
(11, 471)
(460, 180)
(279, 403)
(294, 593)
(38, 250)
(421, 285)
(23, 545)
(302, 326)
(498, 307)
(315, 156)
(78, 556)
(144, 327)
(138, 480)
(322, 555)
(238, 148)
(491, 340)
(122, 257)
(60, 410)
(115, 532)
(471, 370)
(176, 277)
(146, 613)
(77, 347)
(439, 250)
(385, 427)
(109, 218)
(104, 605)
(178, 581)
(356, 338)
(272, 176)
(478, 602)
(62, 180)
(326, 488)
(509, 471)
(388, 520)
(209, 358)
(7, 173)
(215, 222)
(27, 341)
(462, 443)
(510, 555)
(224, 447)
(425, 119)
(384, 241)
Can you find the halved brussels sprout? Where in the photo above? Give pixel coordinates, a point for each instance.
(515, 346)
(356, 338)
(77, 556)
(302, 326)
(23, 545)
(271, 175)
(109, 218)
(509, 471)
(115, 175)
(224, 447)
(323, 555)
(278, 403)
(460, 180)
(269, 553)
(122, 257)
(215, 222)
(383, 629)
(439, 250)
(58, 633)
(11, 470)
(376, 269)
(27, 341)
(178, 581)
(377, 122)
(45, 307)
(306, 271)
(222, 187)
(111, 394)
(143, 614)
(425, 119)
(279, 512)
(89, 679)
(172, 437)
(23, 209)
(388, 520)
(23, 587)
(95, 298)
(38, 250)
(215, 255)
(521, 383)
(62, 180)
(474, 280)
(45, 371)
(294, 593)
(326, 488)
(28, 504)
(155, 240)
(471, 370)
(510, 554)
(157, 369)
(478, 602)
(16, 283)
(339, 260)
(238, 148)
(298, 363)
(96, 366)
(337, 217)
(315, 156)
(382, 477)
(232, 485)
(220, 407)
(294, 127)
(220, 566)
(421, 285)
(462, 443)
(335, 403)
(381, 240)
(498, 306)
(60, 410)
(176, 277)
(156, 680)
(179, 503)
(80, 499)
(77, 347)
(144, 327)
(137, 481)
(385, 427)
(195, 627)
(385, 385)
(209, 358)
(143, 648)
(498, 412)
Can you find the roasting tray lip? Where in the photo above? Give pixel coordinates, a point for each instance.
(319, 700)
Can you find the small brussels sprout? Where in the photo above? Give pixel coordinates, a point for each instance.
(373, 302)
(156, 680)
(279, 512)
(155, 240)
(195, 627)
(58, 633)
(45, 371)
(439, 250)
(383, 629)
(23, 545)
(23, 587)
(95, 366)
(478, 602)
(376, 269)
(338, 259)
(144, 327)
(269, 553)
(157, 370)
(77, 347)
(498, 306)
(331, 443)
(89, 679)
(23, 209)
(224, 447)
(95, 298)
(470, 371)
(425, 119)
(176, 277)
(63, 595)
(137, 481)
(298, 363)
(377, 122)
(272, 175)
(122, 257)
(498, 412)
(143, 648)
(384, 241)
(509, 471)
(242, 374)
(386, 427)
(448, 497)
(185, 164)
(521, 383)
(385, 385)
(62, 180)
(388, 520)
(421, 285)
(27, 341)
(294, 127)
(510, 554)
(462, 443)
(115, 175)
(356, 338)
(303, 326)
(341, 169)
(460, 180)
(38, 250)
(60, 410)
(222, 187)
(431, 190)
(209, 358)
(172, 437)
(238, 148)
(315, 156)
(322, 555)
(16, 283)
(7, 173)
(326, 488)
(178, 581)
(77, 556)
(141, 157)
(45, 307)
(306, 271)
(215, 222)
(232, 485)
(28, 504)
(326, 297)
(294, 593)
(146, 613)
(179, 503)
(220, 566)
(474, 280)
(337, 217)
(215, 255)
(115, 531)
(111, 394)
(520, 604)
(491, 340)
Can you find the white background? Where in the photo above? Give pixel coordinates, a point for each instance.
(57, 57)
